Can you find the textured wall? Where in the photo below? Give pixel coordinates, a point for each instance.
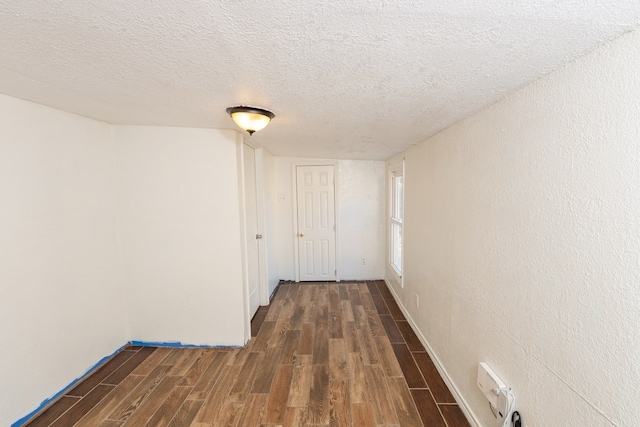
(60, 291)
(359, 213)
(522, 239)
(179, 214)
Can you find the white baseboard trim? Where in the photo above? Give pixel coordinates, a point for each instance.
(462, 403)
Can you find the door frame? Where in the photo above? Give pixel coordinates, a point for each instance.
(241, 140)
(294, 190)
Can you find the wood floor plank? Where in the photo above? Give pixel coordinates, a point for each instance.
(307, 338)
(150, 405)
(368, 347)
(253, 410)
(321, 346)
(297, 318)
(360, 317)
(295, 417)
(319, 396)
(378, 395)
(110, 423)
(186, 361)
(339, 404)
(279, 395)
(381, 305)
(127, 367)
(123, 411)
(101, 373)
(351, 340)
(362, 415)
(343, 291)
(394, 309)
(301, 382)
(218, 395)
(229, 414)
(54, 411)
(151, 362)
(261, 342)
(454, 416)
(357, 379)
(186, 413)
(410, 337)
(245, 379)
(168, 409)
(335, 324)
(195, 372)
(375, 324)
(80, 409)
(435, 382)
(408, 365)
(258, 319)
(427, 408)
(403, 402)
(388, 360)
(354, 296)
(384, 290)
(109, 403)
(367, 301)
(290, 347)
(238, 356)
(346, 311)
(266, 371)
(392, 330)
(208, 380)
(373, 288)
(337, 359)
(334, 298)
(279, 332)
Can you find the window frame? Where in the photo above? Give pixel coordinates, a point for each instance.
(396, 219)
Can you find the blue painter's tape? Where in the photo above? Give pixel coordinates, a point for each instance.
(44, 403)
(176, 344)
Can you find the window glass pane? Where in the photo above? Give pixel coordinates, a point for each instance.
(396, 246)
(399, 198)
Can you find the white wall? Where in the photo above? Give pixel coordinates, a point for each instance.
(271, 213)
(61, 305)
(179, 211)
(360, 217)
(522, 239)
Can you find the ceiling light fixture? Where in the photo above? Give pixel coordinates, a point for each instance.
(251, 119)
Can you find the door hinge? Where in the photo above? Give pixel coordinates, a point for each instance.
(258, 236)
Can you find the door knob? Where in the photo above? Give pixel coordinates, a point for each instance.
(301, 234)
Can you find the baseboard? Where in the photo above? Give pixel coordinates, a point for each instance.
(50, 401)
(462, 403)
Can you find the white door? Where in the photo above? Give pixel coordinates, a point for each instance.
(316, 223)
(252, 236)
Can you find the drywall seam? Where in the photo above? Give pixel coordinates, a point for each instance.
(462, 403)
(51, 400)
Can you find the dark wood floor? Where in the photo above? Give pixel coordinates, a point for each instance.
(339, 354)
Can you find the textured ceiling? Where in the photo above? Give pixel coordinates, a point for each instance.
(359, 79)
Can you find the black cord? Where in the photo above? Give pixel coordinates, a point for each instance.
(515, 419)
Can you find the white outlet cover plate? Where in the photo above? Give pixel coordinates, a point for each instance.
(489, 383)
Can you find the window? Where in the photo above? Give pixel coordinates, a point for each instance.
(397, 214)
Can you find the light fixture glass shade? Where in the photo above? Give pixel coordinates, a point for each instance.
(251, 119)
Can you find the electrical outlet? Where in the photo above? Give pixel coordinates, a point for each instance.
(364, 261)
(417, 298)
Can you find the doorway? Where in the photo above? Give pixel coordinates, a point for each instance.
(316, 222)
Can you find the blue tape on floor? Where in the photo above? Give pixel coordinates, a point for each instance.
(176, 344)
(44, 403)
